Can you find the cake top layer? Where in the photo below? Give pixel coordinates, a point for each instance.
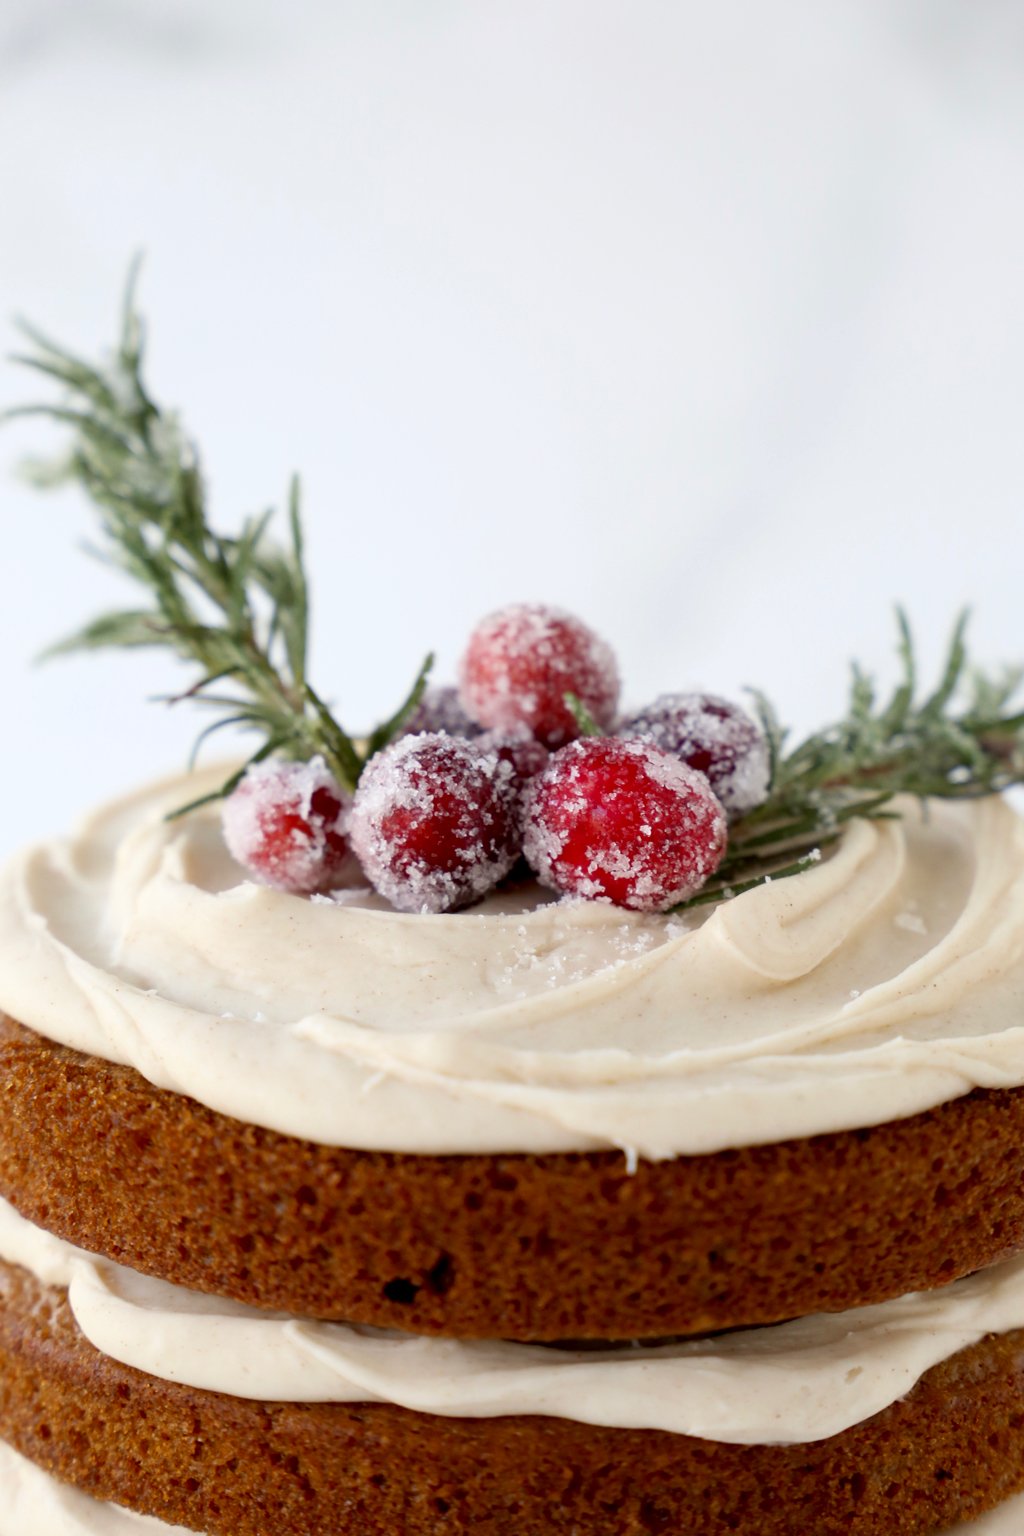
(886, 979)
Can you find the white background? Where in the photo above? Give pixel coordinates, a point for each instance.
(706, 321)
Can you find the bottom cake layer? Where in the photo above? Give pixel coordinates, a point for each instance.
(35, 1504)
(230, 1466)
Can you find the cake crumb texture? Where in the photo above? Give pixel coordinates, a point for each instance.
(949, 1450)
(554, 1247)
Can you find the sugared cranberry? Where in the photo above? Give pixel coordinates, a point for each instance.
(715, 737)
(625, 821)
(440, 710)
(285, 824)
(522, 661)
(434, 822)
(524, 753)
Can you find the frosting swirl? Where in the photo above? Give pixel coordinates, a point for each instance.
(887, 979)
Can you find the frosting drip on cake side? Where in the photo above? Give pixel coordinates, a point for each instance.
(885, 980)
(791, 1384)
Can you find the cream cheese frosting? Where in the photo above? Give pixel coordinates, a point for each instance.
(1007, 1520)
(793, 1383)
(35, 1503)
(885, 980)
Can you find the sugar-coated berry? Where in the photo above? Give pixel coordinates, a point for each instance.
(440, 710)
(623, 821)
(435, 822)
(714, 736)
(285, 824)
(524, 753)
(521, 662)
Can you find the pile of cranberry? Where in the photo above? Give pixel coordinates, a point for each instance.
(498, 770)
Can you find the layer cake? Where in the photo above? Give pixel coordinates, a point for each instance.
(540, 1217)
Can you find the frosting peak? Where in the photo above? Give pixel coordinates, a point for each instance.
(882, 981)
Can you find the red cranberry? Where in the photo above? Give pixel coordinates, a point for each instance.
(524, 753)
(440, 710)
(715, 737)
(434, 822)
(285, 824)
(522, 661)
(623, 821)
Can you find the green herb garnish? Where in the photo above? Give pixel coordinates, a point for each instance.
(236, 606)
(961, 741)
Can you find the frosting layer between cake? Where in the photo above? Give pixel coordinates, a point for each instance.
(886, 980)
(790, 1384)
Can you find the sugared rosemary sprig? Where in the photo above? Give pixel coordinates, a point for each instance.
(961, 741)
(237, 606)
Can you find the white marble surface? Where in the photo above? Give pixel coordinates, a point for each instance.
(703, 320)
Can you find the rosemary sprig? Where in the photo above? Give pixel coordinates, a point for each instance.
(581, 714)
(237, 606)
(880, 749)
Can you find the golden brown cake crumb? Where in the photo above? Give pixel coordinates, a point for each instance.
(952, 1448)
(518, 1247)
